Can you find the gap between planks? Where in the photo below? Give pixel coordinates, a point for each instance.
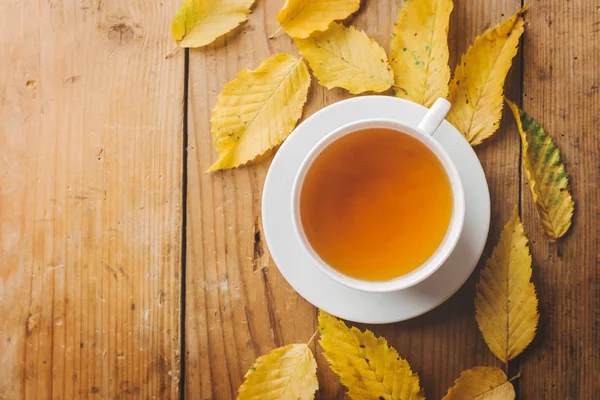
(184, 188)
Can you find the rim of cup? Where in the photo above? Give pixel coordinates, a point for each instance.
(446, 247)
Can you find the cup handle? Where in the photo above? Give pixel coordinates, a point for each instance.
(435, 116)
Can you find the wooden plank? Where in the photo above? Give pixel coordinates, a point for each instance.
(560, 90)
(446, 341)
(236, 309)
(238, 306)
(90, 200)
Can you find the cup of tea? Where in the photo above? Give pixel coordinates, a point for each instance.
(378, 204)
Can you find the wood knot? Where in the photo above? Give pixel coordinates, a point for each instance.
(259, 252)
(31, 324)
(124, 32)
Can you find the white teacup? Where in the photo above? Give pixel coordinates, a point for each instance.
(423, 132)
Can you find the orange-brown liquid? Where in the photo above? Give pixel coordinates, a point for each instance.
(376, 204)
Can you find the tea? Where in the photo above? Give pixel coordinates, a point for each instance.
(376, 204)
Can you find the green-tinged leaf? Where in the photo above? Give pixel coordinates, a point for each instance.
(419, 51)
(548, 181)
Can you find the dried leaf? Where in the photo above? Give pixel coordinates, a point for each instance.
(476, 89)
(546, 174)
(288, 372)
(481, 383)
(300, 18)
(200, 22)
(347, 58)
(366, 365)
(419, 51)
(258, 109)
(505, 299)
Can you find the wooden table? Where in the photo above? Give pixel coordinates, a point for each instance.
(118, 253)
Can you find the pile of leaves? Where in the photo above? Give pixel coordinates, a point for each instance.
(258, 109)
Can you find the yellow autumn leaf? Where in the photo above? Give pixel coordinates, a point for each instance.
(366, 365)
(300, 18)
(200, 22)
(506, 304)
(258, 109)
(546, 174)
(481, 383)
(286, 373)
(476, 89)
(347, 58)
(419, 51)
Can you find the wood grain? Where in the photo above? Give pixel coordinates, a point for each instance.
(91, 144)
(237, 305)
(561, 91)
(90, 200)
(446, 341)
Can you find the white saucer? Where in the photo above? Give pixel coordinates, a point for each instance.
(316, 287)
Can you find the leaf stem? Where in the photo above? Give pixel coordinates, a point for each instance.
(517, 376)
(172, 52)
(396, 88)
(275, 34)
(312, 337)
